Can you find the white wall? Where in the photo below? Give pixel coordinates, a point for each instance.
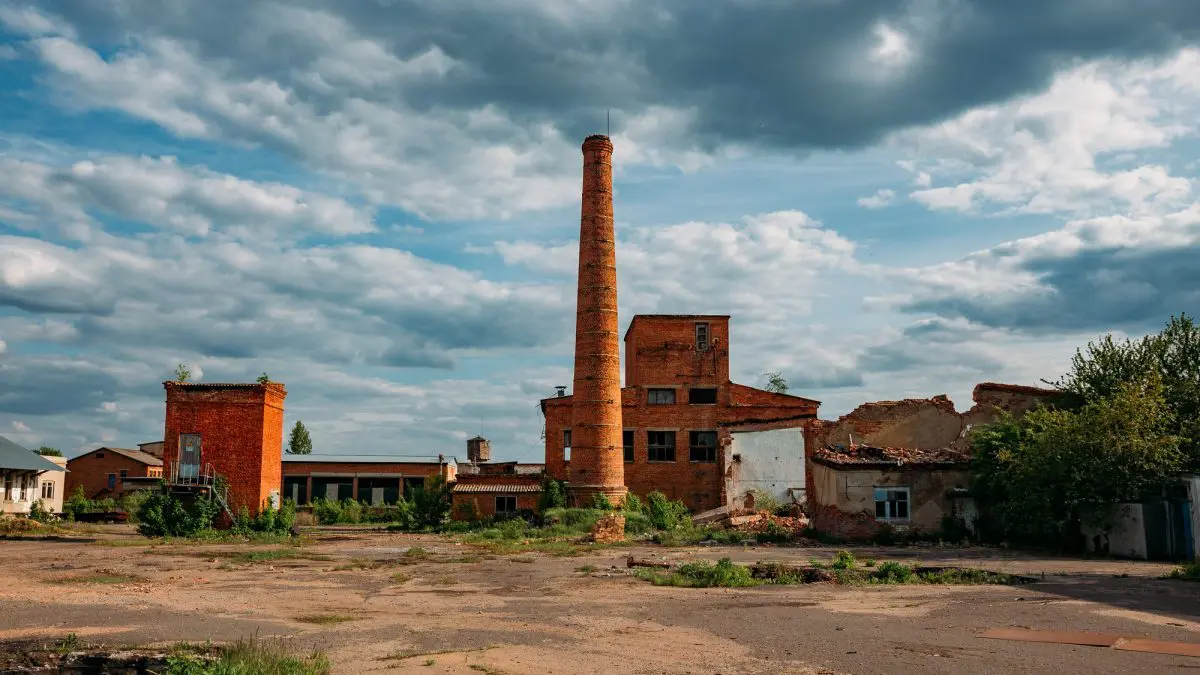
(1127, 538)
(772, 461)
(1193, 483)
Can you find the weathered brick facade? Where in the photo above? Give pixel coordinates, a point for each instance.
(361, 477)
(240, 428)
(100, 472)
(478, 496)
(669, 352)
(596, 414)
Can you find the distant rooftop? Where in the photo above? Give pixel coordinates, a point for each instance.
(19, 458)
(366, 459)
(866, 456)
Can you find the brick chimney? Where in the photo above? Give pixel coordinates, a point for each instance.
(597, 460)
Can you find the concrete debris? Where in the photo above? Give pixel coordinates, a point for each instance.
(645, 562)
(609, 529)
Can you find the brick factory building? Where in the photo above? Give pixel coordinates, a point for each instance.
(504, 489)
(234, 431)
(109, 472)
(374, 479)
(681, 414)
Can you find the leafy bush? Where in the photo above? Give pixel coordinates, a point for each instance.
(774, 533)
(667, 514)
(268, 521)
(554, 495)
(638, 523)
(1189, 571)
(161, 514)
(431, 503)
(39, 512)
(844, 560)
(892, 572)
(601, 502)
(633, 504)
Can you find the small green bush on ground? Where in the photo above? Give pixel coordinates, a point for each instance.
(162, 514)
(1188, 571)
(252, 657)
(702, 574)
(843, 571)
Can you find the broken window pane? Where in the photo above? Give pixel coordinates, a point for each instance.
(702, 446)
(661, 396)
(660, 446)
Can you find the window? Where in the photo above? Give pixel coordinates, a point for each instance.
(566, 445)
(627, 442)
(506, 504)
(702, 446)
(891, 503)
(124, 474)
(112, 481)
(660, 446)
(412, 484)
(99, 455)
(295, 488)
(702, 395)
(701, 336)
(47, 490)
(661, 396)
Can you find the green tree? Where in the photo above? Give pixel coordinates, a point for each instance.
(1041, 478)
(182, 373)
(776, 383)
(263, 379)
(1172, 355)
(299, 443)
(47, 451)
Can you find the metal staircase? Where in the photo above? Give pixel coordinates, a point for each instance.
(202, 479)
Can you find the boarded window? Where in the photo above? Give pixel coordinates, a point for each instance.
(891, 503)
(660, 446)
(627, 442)
(702, 395)
(661, 396)
(702, 446)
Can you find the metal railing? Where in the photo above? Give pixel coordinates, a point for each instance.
(205, 477)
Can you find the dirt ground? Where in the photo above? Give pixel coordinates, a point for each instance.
(358, 596)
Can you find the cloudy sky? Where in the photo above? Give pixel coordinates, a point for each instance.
(376, 202)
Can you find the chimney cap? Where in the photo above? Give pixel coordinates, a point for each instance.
(597, 139)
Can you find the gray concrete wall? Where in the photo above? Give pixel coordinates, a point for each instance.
(771, 461)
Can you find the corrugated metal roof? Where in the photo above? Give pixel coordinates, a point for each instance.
(474, 488)
(13, 456)
(366, 459)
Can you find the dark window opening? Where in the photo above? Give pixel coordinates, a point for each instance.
(660, 446)
(112, 481)
(627, 442)
(506, 504)
(99, 455)
(124, 473)
(413, 483)
(333, 488)
(702, 446)
(701, 395)
(701, 336)
(379, 491)
(891, 503)
(661, 396)
(295, 488)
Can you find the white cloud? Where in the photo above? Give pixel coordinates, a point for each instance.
(1046, 153)
(191, 201)
(20, 426)
(109, 406)
(878, 200)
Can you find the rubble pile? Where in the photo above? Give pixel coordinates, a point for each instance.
(609, 529)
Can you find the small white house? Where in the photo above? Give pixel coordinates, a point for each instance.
(21, 472)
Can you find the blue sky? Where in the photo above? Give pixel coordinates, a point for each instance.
(377, 203)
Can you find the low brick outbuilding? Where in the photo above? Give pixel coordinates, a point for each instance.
(380, 479)
(102, 472)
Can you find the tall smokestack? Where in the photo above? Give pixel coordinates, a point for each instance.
(597, 462)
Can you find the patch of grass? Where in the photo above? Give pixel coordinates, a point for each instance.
(401, 578)
(252, 657)
(429, 662)
(702, 574)
(26, 527)
(68, 644)
(325, 619)
(414, 555)
(586, 569)
(98, 578)
(1188, 571)
(446, 580)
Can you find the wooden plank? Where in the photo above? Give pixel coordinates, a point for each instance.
(1052, 636)
(1158, 647)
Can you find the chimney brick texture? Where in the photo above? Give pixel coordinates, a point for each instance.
(597, 465)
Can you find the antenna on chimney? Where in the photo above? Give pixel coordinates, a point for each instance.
(608, 121)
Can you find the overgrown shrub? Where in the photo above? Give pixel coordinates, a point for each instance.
(638, 523)
(844, 560)
(268, 521)
(601, 502)
(703, 574)
(431, 503)
(667, 514)
(554, 495)
(161, 514)
(893, 572)
(774, 533)
(632, 504)
(39, 512)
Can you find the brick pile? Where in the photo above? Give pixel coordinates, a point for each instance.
(609, 529)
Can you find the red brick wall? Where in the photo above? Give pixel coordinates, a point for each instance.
(483, 505)
(698, 484)
(91, 472)
(241, 435)
(398, 468)
(662, 350)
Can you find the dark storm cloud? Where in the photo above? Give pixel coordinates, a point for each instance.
(51, 386)
(770, 72)
(1103, 289)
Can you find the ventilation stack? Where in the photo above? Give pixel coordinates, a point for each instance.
(597, 460)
